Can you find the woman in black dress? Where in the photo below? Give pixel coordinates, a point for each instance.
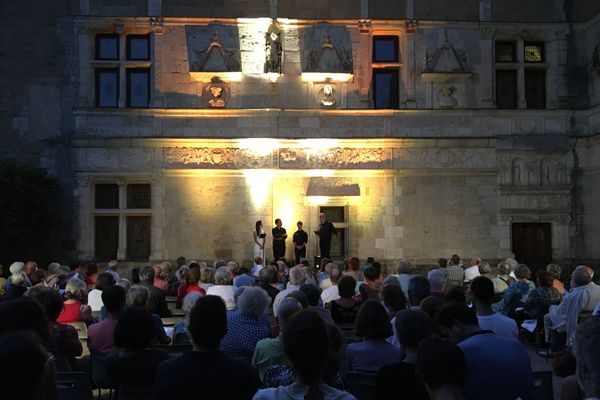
(279, 236)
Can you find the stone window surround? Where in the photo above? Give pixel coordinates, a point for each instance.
(520, 65)
(399, 66)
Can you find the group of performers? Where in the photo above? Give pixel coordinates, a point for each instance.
(300, 239)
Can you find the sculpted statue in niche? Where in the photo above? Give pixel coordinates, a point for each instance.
(326, 96)
(545, 172)
(533, 175)
(445, 99)
(274, 50)
(517, 172)
(216, 93)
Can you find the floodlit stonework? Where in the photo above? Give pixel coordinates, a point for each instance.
(267, 109)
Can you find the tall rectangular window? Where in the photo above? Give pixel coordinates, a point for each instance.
(535, 88)
(106, 237)
(138, 237)
(506, 89)
(107, 87)
(138, 87)
(385, 49)
(386, 71)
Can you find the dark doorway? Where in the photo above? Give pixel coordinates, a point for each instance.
(532, 244)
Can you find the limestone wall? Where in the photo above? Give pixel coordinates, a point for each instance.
(589, 151)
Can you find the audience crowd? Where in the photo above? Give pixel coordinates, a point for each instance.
(294, 332)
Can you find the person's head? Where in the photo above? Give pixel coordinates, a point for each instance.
(193, 276)
(50, 299)
(442, 262)
(288, 307)
(404, 266)
(91, 269)
(483, 290)
(475, 261)
(455, 294)
(312, 294)
(418, 289)
(76, 289)
(544, 278)
(322, 217)
(370, 260)
(124, 283)
(458, 321)
(354, 264)
(298, 275)
(233, 267)
(208, 322)
(223, 276)
(372, 274)
(266, 274)
(53, 267)
(113, 265)
(372, 322)
(412, 326)
(503, 268)
(17, 266)
(113, 298)
(189, 301)
(335, 273)
(555, 270)
(455, 259)
(440, 362)
(484, 268)
(522, 271)
(207, 275)
(104, 280)
(431, 306)
(257, 226)
(147, 274)
(30, 267)
(581, 276)
(19, 278)
(299, 296)
(586, 348)
(25, 314)
(306, 344)
(258, 260)
(393, 297)
(299, 224)
(437, 280)
(137, 296)
(346, 286)
(253, 301)
(180, 261)
(244, 271)
(278, 223)
(23, 363)
(135, 329)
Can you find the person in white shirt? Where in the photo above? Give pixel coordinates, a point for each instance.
(331, 293)
(482, 289)
(103, 281)
(473, 271)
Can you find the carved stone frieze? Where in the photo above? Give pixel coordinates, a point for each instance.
(414, 158)
(532, 170)
(206, 157)
(359, 158)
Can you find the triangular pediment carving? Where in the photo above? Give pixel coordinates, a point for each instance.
(327, 49)
(446, 64)
(213, 48)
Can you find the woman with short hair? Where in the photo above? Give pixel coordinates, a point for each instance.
(344, 310)
(540, 299)
(224, 287)
(75, 306)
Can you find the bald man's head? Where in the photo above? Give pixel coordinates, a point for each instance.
(581, 276)
(288, 307)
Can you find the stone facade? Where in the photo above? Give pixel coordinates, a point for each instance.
(256, 107)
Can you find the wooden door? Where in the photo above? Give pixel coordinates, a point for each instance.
(532, 244)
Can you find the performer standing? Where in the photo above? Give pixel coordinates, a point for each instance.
(279, 236)
(325, 232)
(259, 240)
(300, 239)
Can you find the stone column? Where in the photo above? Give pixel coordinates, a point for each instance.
(122, 249)
(85, 220)
(158, 251)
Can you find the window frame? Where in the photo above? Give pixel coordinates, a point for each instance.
(388, 67)
(128, 39)
(98, 37)
(98, 71)
(128, 72)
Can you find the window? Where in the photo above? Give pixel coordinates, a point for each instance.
(118, 206)
(524, 62)
(122, 70)
(386, 72)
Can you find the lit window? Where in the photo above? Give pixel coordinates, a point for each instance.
(386, 72)
(534, 52)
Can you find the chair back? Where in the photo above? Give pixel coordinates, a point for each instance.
(362, 386)
(73, 386)
(99, 374)
(542, 385)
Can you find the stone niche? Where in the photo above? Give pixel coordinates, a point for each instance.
(326, 49)
(213, 50)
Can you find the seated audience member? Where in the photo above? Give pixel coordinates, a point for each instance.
(503, 279)
(161, 273)
(101, 334)
(586, 349)
(473, 271)
(442, 367)
(373, 352)
(207, 276)
(437, 282)
(223, 287)
(15, 267)
(137, 297)
(324, 276)
(583, 298)
(313, 296)
(181, 333)
(418, 289)
(412, 326)
(371, 289)
(156, 299)
(244, 278)
(52, 279)
(267, 281)
(298, 278)
(215, 376)
(91, 273)
(103, 281)
(18, 286)
(133, 368)
(112, 268)
(556, 272)
(497, 367)
(516, 294)
(392, 298)
(269, 351)
(344, 310)
(455, 274)
(64, 341)
(258, 265)
(404, 269)
(300, 296)
(306, 344)
(543, 296)
(431, 306)
(192, 277)
(75, 308)
(247, 325)
(485, 270)
(455, 294)
(331, 293)
(482, 289)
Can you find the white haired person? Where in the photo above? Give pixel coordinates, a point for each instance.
(298, 277)
(517, 293)
(15, 267)
(224, 287)
(75, 307)
(586, 349)
(18, 288)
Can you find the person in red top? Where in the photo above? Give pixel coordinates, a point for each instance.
(75, 308)
(192, 277)
(91, 272)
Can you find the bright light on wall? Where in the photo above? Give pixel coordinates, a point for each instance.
(326, 77)
(258, 184)
(317, 200)
(320, 173)
(259, 146)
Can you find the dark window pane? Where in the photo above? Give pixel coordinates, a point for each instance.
(138, 87)
(138, 196)
(506, 52)
(106, 237)
(535, 88)
(386, 88)
(334, 214)
(106, 196)
(338, 243)
(385, 49)
(138, 238)
(138, 47)
(107, 47)
(506, 89)
(107, 87)
(534, 52)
